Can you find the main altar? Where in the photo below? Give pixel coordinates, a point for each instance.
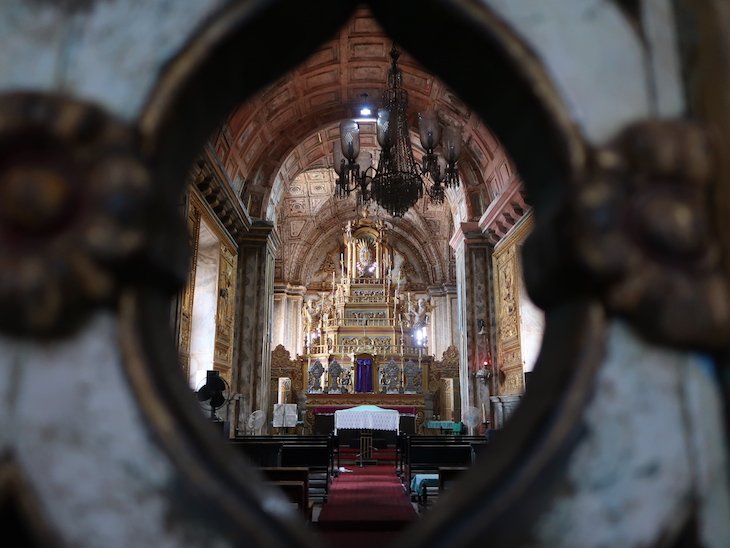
(365, 340)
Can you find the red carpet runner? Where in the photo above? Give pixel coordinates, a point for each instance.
(365, 507)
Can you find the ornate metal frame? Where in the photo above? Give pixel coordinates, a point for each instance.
(553, 412)
(501, 495)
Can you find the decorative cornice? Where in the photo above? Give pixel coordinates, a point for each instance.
(468, 233)
(518, 232)
(260, 233)
(441, 290)
(283, 288)
(504, 212)
(212, 182)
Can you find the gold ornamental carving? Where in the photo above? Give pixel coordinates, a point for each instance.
(507, 297)
(283, 366)
(225, 312)
(339, 400)
(367, 398)
(509, 351)
(188, 292)
(448, 367)
(513, 381)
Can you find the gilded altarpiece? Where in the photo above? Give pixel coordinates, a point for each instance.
(188, 293)
(508, 284)
(283, 366)
(226, 311)
(446, 368)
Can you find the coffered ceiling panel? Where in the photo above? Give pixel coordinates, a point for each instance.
(366, 73)
(325, 56)
(363, 23)
(319, 100)
(323, 78)
(362, 49)
(297, 189)
(281, 140)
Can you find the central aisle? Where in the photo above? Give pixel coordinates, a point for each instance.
(366, 506)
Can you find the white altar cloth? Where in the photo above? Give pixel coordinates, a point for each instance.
(367, 417)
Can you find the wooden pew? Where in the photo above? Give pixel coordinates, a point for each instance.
(317, 458)
(478, 443)
(259, 453)
(428, 458)
(317, 453)
(448, 475)
(264, 450)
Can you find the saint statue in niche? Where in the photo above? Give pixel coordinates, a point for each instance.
(348, 231)
(308, 314)
(420, 314)
(347, 380)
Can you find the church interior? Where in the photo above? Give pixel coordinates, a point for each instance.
(358, 297)
(439, 285)
(340, 273)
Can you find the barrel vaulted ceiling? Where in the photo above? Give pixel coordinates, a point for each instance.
(277, 148)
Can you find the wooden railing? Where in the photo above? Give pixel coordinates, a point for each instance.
(367, 281)
(361, 322)
(319, 349)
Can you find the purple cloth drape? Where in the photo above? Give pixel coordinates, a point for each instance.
(364, 376)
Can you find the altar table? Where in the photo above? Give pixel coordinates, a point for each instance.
(367, 417)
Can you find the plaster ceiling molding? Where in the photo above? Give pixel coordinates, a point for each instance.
(304, 260)
(457, 205)
(295, 227)
(422, 252)
(307, 258)
(504, 212)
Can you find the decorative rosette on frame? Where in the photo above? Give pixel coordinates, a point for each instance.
(637, 231)
(74, 196)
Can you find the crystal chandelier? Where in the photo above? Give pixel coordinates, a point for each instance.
(398, 181)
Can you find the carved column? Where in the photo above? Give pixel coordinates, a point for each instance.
(287, 327)
(185, 308)
(444, 326)
(256, 274)
(509, 294)
(473, 264)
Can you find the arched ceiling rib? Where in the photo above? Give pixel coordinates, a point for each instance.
(313, 219)
(278, 146)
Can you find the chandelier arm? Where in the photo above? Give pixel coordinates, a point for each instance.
(399, 181)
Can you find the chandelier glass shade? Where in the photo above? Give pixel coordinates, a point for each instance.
(398, 182)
